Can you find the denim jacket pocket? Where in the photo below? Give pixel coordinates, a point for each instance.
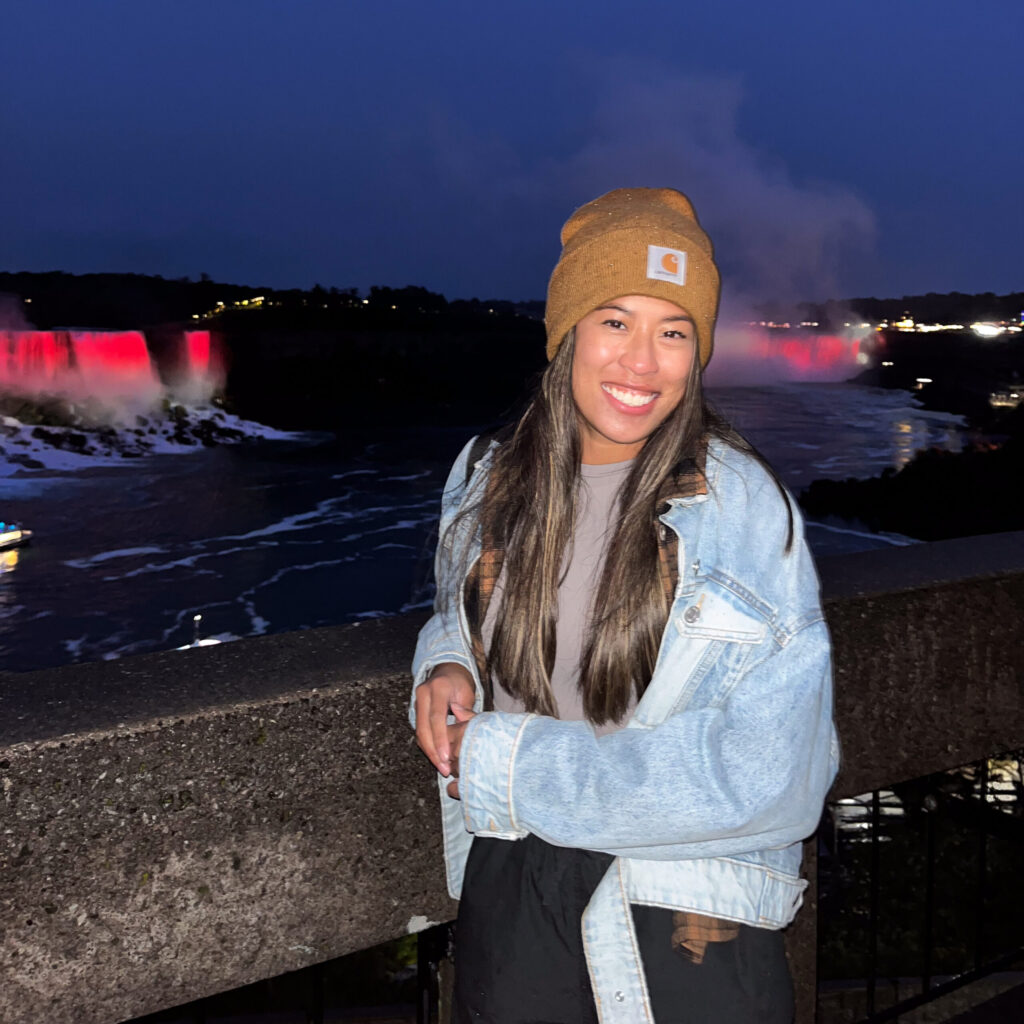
(714, 612)
(715, 632)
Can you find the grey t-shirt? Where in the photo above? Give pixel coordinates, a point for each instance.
(595, 519)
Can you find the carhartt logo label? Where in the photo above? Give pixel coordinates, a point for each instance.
(666, 264)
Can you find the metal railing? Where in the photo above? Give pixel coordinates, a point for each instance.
(933, 840)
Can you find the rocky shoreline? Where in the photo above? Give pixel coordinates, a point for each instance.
(936, 496)
(53, 432)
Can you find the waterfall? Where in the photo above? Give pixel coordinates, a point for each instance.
(111, 366)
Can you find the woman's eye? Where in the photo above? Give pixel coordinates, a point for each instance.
(617, 324)
(678, 335)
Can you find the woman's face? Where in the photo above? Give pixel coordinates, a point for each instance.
(630, 366)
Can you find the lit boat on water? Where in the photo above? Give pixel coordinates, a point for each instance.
(12, 536)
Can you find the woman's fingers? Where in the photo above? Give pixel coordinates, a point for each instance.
(424, 733)
(431, 723)
(450, 687)
(437, 720)
(462, 713)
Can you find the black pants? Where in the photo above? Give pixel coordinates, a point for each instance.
(519, 949)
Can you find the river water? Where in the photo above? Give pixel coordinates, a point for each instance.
(276, 535)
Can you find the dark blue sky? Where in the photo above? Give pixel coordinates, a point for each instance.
(831, 149)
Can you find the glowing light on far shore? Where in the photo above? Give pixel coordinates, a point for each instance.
(987, 330)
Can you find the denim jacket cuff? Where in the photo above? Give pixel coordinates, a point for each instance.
(486, 764)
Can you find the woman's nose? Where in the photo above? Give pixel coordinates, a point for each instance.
(639, 355)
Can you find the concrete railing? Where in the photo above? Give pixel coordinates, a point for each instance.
(179, 824)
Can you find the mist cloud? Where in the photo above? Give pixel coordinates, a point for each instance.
(775, 238)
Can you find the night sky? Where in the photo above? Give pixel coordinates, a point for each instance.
(831, 149)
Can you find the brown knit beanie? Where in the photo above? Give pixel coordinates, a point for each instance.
(634, 241)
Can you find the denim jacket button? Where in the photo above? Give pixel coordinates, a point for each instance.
(620, 997)
(692, 614)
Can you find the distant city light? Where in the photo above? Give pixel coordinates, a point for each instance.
(887, 362)
(987, 330)
(1004, 399)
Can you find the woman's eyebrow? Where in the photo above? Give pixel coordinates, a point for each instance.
(681, 318)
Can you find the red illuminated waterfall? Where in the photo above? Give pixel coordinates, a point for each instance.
(102, 364)
(197, 345)
(35, 358)
(753, 355)
(808, 353)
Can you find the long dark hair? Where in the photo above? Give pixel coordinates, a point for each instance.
(529, 511)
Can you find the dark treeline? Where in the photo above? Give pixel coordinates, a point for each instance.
(126, 301)
(59, 299)
(949, 308)
(119, 301)
(451, 372)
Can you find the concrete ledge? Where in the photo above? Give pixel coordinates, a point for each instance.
(148, 862)
(179, 824)
(929, 656)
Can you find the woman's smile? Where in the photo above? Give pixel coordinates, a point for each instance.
(633, 398)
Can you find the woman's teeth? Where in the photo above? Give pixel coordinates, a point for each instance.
(633, 398)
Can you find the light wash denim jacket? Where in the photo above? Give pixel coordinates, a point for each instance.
(705, 795)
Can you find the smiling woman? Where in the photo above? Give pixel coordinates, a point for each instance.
(626, 684)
